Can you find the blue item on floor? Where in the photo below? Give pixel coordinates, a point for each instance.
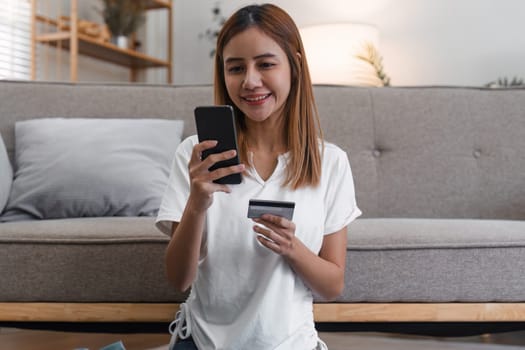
(115, 346)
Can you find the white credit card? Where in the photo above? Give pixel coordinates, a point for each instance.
(258, 207)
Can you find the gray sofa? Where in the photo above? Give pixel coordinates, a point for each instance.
(439, 174)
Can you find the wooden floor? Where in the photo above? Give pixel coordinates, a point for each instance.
(16, 339)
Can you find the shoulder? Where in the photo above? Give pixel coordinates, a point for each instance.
(335, 163)
(186, 146)
(333, 154)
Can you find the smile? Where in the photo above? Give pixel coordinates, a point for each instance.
(259, 98)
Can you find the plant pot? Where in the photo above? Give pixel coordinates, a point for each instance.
(121, 41)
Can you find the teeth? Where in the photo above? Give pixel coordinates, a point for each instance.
(255, 99)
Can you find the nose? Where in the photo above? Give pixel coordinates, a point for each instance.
(252, 78)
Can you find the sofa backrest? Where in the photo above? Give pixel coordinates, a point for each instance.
(436, 152)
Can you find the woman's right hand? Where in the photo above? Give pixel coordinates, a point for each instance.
(202, 186)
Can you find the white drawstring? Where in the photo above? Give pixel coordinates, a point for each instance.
(180, 327)
(321, 345)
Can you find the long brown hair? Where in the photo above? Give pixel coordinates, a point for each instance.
(302, 124)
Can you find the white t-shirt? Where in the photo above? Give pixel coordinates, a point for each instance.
(246, 296)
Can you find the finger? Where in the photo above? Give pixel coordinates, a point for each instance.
(276, 222)
(267, 226)
(196, 154)
(269, 234)
(222, 172)
(202, 167)
(222, 188)
(269, 244)
(218, 157)
(203, 191)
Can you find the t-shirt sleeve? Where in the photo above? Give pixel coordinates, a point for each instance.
(177, 189)
(340, 202)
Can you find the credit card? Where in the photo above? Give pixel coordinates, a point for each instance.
(258, 207)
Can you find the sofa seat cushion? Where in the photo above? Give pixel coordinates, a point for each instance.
(121, 259)
(113, 259)
(435, 260)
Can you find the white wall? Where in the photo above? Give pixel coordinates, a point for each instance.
(423, 42)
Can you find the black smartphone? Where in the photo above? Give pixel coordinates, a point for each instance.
(218, 123)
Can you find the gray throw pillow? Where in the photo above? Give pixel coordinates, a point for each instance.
(6, 175)
(90, 167)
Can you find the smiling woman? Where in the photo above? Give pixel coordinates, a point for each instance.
(255, 288)
(15, 40)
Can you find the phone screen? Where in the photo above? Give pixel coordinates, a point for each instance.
(218, 123)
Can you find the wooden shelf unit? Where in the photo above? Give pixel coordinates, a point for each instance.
(80, 44)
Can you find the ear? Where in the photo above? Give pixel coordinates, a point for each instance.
(297, 64)
(299, 56)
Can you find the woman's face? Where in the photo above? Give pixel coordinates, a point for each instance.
(257, 75)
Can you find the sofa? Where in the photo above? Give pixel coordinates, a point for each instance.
(439, 175)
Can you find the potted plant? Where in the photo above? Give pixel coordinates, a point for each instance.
(371, 55)
(123, 17)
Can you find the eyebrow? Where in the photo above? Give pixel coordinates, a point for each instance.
(264, 55)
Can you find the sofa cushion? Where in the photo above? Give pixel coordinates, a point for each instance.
(111, 259)
(68, 168)
(388, 260)
(6, 175)
(435, 260)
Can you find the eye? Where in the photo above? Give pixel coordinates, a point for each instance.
(267, 65)
(234, 69)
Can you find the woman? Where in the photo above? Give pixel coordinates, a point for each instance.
(252, 281)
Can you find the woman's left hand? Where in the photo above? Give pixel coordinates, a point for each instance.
(322, 272)
(278, 234)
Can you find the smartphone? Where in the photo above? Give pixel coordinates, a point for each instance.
(218, 123)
